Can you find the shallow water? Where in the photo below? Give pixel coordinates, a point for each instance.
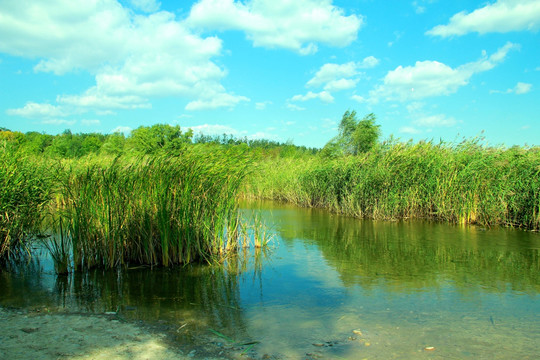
(470, 293)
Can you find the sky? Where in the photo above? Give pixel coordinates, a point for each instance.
(284, 70)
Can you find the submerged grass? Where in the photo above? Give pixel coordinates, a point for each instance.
(460, 183)
(157, 211)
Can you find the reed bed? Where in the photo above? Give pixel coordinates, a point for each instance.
(464, 183)
(157, 210)
(25, 189)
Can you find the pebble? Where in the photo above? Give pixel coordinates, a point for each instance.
(357, 332)
(429, 348)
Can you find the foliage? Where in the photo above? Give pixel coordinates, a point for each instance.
(460, 183)
(25, 189)
(355, 136)
(158, 210)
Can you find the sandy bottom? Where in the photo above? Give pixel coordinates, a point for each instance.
(32, 335)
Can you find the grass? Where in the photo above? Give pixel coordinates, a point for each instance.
(25, 190)
(464, 183)
(159, 211)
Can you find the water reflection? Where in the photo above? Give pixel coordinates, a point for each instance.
(469, 292)
(408, 256)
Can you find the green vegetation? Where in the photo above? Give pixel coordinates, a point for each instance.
(161, 196)
(460, 183)
(25, 190)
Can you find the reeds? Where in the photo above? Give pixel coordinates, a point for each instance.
(157, 211)
(459, 183)
(25, 189)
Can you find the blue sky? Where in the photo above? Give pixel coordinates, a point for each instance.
(277, 69)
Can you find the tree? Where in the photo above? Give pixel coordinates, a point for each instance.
(354, 137)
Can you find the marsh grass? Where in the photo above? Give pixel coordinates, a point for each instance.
(464, 183)
(159, 211)
(25, 190)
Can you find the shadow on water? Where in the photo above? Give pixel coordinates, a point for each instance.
(403, 287)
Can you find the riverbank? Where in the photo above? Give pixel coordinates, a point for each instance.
(40, 335)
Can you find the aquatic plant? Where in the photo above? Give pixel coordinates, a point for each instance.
(157, 210)
(459, 183)
(25, 189)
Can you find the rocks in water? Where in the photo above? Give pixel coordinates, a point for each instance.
(29, 330)
(357, 332)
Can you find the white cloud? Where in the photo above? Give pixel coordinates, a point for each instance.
(58, 122)
(295, 25)
(134, 57)
(337, 77)
(409, 130)
(324, 96)
(295, 107)
(209, 129)
(263, 135)
(439, 120)
(90, 122)
(368, 62)
(522, 88)
(433, 78)
(419, 9)
(219, 100)
(262, 105)
(501, 16)
(93, 99)
(122, 129)
(519, 89)
(421, 118)
(146, 5)
(35, 110)
(359, 99)
(341, 84)
(332, 72)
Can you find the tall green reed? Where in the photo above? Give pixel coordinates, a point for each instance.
(155, 210)
(25, 189)
(463, 183)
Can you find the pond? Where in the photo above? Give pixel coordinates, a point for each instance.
(328, 287)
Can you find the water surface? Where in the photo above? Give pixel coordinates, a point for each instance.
(469, 292)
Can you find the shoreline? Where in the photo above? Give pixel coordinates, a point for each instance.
(38, 335)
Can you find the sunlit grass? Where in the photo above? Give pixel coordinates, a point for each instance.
(460, 183)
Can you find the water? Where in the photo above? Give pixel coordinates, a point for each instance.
(470, 293)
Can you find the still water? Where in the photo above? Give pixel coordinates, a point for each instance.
(329, 287)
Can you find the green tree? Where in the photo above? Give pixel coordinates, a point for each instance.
(354, 137)
(158, 137)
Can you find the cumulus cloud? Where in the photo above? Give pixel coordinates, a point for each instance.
(501, 16)
(340, 75)
(262, 105)
(324, 96)
(432, 78)
(213, 129)
(424, 119)
(35, 110)
(519, 89)
(134, 57)
(337, 77)
(296, 25)
(522, 88)
(409, 130)
(295, 107)
(438, 120)
(90, 122)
